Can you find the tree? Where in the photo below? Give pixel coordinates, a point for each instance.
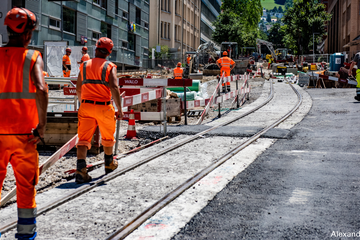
(268, 17)
(288, 4)
(238, 22)
(276, 34)
(164, 52)
(280, 10)
(300, 21)
(275, 9)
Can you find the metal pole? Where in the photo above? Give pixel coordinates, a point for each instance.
(313, 48)
(118, 129)
(237, 96)
(182, 32)
(62, 22)
(164, 110)
(185, 110)
(219, 106)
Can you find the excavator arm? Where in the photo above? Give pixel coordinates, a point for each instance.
(268, 45)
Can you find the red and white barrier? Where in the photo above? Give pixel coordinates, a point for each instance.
(318, 75)
(155, 82)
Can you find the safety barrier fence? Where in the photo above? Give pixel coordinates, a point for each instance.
(318, 75)
(221, 98)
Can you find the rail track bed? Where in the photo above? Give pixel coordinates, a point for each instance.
(101, 208)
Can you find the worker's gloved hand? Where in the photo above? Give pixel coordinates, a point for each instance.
(38, 134)
(119, 115)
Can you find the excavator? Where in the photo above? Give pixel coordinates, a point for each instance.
(280, 55)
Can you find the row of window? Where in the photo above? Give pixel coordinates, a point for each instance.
(165, 30)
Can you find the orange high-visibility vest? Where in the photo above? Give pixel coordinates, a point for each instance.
(95, 79)
(188, 60)
(178, 73)
(67, 60)
(86, 57)
(17, 91)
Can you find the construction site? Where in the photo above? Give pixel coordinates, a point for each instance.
(223, 142)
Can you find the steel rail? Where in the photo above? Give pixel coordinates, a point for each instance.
(156, 207)
(10, 224)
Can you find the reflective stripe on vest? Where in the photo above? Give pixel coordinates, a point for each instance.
(225, 64)
(178, 72)
(93, 81)
(25, 94)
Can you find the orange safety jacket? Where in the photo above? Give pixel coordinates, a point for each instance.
(85, 57)
(178, 73)
(188, 60)
(17, 91)
(95, 79)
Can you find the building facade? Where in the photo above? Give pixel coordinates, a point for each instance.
(210, 9)
(176, 24)
(344, 27)
(83, 22)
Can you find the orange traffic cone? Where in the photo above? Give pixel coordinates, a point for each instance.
(131, 132)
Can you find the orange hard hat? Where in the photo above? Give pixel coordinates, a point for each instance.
(20, 19)
(105, 43)
(84, 49)
(68, 50)
(225, 53)
(179, 64)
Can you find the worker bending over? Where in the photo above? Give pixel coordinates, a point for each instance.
(225, 64)
(66, 62)
(356, 61)
(85, 56)
(178, 71)
(96, 84)
(23, 105)
(269, 64)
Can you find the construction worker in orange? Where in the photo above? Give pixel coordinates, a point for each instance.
(225, 64)
(85, 56)
(178, 71)
(188, 59)
(23, 105)
(66, 62)
(96, 84)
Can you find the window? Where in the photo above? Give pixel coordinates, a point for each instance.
(168, 5)
(101, 3)
(53, 23)
(161, 30)
(124, 44)
(168, 33)
(162, 4)
(105, 30)
(164, 30)
(131, 42)
(18, 3)
(146, 25)
(138, 16)
(96, 35)
(69, 20)
(116, 7)
(125, 15)
(175, 32)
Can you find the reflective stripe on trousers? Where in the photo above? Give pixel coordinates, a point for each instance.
(26, 220)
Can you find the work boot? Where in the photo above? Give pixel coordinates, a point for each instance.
(110, 163)
(81, 175)
(228, 88)
(25, 236)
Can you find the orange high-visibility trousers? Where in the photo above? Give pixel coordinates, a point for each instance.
(24, 159)
(92, 115)
(66, 74)
(227, 74)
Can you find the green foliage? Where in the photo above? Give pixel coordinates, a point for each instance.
(289, 3)
(280, 10)
(276, 34)
(164, 52)
(268, 17)
(238, 22)
(301, 20)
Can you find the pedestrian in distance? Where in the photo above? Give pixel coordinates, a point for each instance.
(188, 59)
(95, 86)
(225, 64)
(23, 106)
(66, 63)
(356, 61)
(178, 71)
(85, 56)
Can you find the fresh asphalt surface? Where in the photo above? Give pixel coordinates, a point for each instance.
(304, 187)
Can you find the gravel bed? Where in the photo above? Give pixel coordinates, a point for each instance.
(56, 175)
